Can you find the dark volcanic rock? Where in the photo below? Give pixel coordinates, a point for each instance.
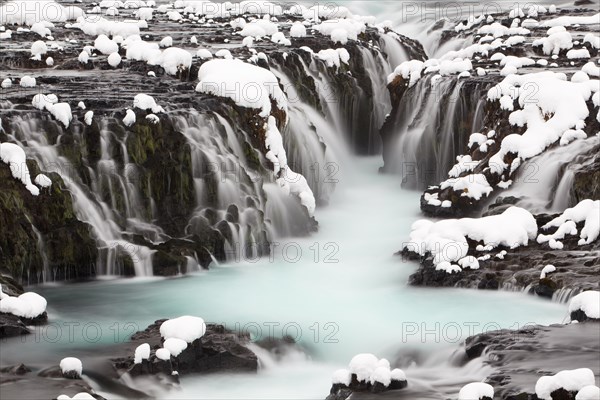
(219, 350)
(521, 357)
(11, 325)
(577, 268)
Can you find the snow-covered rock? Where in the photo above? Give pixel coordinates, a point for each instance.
(588, 302)
(476, 391)
(146, 102)
(186, 328)
(13, 155)
(114, 60)
(71, 367)
(175, 346)
(246, 84)
(142, 352)
(163, 354)
(590, 392)
(42, 181)
(446, 240)
(548, 269)
(569, 380)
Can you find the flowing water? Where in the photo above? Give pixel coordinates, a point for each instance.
(339, 292)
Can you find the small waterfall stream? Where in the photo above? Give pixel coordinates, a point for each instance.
(431, 125)
(544, 183)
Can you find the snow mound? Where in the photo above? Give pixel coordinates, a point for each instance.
(78, 396)
(587, 211)
(71, 364)
(446, 240)
(589, 392)
(105, 45)
(549, 106)
(246, 84)
(569, 380)
(476, 391)
(22, 12)
(334, 57)
(43, 181)
(368, 369)
(341, 376)
(27, 305)
(142, 352)
(163, 354)
(548, 269)
(146, 102)
(175, 346)
(185, 328)
(588, 302)
(14, 156)
(173, 60)
(410, 70)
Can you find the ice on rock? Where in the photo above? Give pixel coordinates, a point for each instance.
(186, 328)
(142, 352)
(569, 380)
(588, 302)
(71, 364)
(476, 391)
(6, 83)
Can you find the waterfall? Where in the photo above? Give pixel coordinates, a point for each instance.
(543, 183)
(430, 127)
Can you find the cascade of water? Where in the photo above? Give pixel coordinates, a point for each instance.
(431, 127)
(544, 182)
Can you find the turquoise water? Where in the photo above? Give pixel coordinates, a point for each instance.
(350, 296)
